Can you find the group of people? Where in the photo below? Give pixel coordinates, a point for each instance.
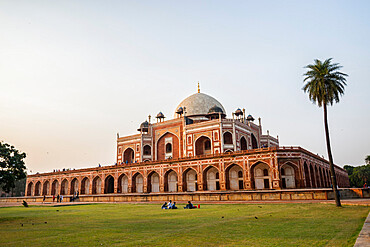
(59, 198)
(75, 196)
(171, 205)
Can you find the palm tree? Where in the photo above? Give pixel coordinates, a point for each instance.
(324, 85)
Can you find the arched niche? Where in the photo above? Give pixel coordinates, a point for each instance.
(85, 185)
(190, 180)
(129, 155)
(203, 146)
(109, 185)
(212, 178)
(153, 182)
(123, 184)
(170, 178)
(234, 177)
(96, 185)
(261, 176)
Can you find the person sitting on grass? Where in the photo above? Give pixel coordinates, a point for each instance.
(174, 205)
(169, 205)
(164, 206)
(189, 205)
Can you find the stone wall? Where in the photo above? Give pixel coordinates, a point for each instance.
(279, 195)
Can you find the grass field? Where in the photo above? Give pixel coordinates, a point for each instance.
(211, 225)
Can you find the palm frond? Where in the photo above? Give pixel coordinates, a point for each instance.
(323, 82)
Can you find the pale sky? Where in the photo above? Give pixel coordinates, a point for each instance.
(74, 73)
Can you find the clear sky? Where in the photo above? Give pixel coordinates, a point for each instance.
(74, 73)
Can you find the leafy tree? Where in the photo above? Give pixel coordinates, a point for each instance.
(367, 159)
(349, 169)
(12, 166)
(362, 175)
(324, 85)
(359, 175)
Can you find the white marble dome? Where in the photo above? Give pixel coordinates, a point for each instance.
(198, 104)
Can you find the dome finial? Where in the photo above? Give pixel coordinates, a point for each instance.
(198, 87)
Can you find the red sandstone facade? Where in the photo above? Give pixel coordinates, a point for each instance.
(199, 150)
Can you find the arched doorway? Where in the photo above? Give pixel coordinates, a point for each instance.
(254, 141)
(306, 175)
(313, 182)
(29, 189)
(96, 185)
(147, 152)
(123, 184)
(317, 178)
(138, 183)
(203, 146)
(262, 178)
(287, 177)
(85, 186)
(153, 182)
(168, 147)
(54, 187)
(228, 138)
(46, 188)
(129, 155)
(322, 178)
(243, 143)
(212, 178)
(64, 187)
(38, 188)
(170, 181)
(74, 186)
(234, 177)
(190, 180)
(109, 185)
(329, 177)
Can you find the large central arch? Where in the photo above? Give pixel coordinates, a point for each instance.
(168, 147)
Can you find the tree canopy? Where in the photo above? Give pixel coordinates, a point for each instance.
(12, 167)
(324, 83)
(358, 175)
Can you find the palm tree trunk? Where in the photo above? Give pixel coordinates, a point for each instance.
(333, 177)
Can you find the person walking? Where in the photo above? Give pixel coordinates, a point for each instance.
(53, 198)
(43, 200)
(58, 198)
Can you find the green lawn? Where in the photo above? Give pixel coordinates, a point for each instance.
(211, 225)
